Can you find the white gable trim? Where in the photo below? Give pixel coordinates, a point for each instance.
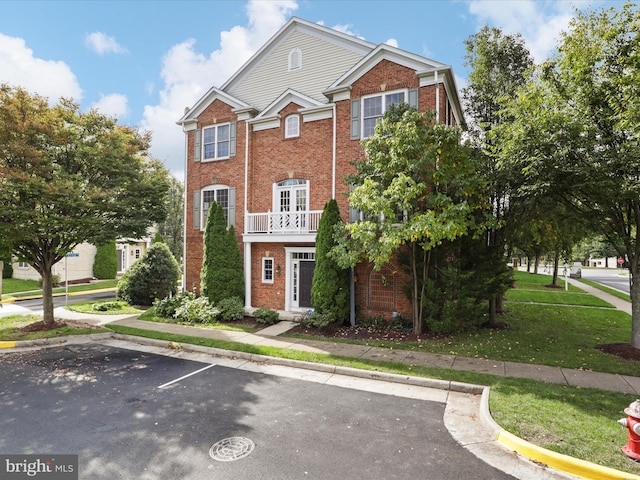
(265, 123)
(383, 52)
(207, 99)
(317, 113)
(289, 96)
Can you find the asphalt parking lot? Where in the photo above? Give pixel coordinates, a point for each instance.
(137, 415)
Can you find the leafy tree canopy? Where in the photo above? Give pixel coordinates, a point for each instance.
(68, 177)
(416, 189)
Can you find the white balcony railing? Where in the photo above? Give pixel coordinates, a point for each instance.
(287, 222)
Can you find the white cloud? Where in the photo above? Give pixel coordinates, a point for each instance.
(188, 74)
(102, 43)
(113, 105)
(393, 42)
(49, 78)
(539, 23)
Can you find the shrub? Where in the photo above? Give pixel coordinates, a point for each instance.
(167, 306)
(221, 275)
(7, 268)
(55, 281)
(198, 310)
(107, 306)
(105, 263)
(266, 316)
(321, 320)
(330, 288)
(152, 277)
(231, 309)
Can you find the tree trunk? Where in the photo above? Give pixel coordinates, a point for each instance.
(635, 306)
(47, 295)
(556, 261)
(536, 264)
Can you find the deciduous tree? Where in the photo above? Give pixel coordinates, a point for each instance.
(415, 189)
(576, 133)
(68, 177)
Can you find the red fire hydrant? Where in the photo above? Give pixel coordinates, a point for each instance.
(632, 422)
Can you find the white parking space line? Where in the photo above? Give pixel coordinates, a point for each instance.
(186, 376)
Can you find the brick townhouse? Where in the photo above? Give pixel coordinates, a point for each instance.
(274, 143)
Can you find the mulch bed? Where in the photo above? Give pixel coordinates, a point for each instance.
(45, 327)
(622, 350)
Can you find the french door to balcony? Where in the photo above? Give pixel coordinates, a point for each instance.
(291, 202)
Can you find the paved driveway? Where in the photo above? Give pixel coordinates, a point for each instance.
(135, 415)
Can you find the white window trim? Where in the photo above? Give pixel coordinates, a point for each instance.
(264, 269)
(405, 91)
(203, 213)
(216, 157)
(288, 133)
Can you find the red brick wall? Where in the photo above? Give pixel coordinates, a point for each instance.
(201, 174)
(273, 158)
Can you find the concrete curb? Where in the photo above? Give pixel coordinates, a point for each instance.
(534, 453)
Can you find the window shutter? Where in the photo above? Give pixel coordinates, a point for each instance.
(232, 207)
(413, 98)
(354, 215)
(355, 119)
(196, 146)
(232, 139)
(196, 210)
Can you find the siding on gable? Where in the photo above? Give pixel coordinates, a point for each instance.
(322, 63)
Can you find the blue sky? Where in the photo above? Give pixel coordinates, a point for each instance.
(145, 61)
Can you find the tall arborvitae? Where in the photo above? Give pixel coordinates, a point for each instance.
(221, 275)
(330, 289)
(105, 263)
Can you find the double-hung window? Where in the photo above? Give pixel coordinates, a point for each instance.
(267, 270)
(215, 142)
(374, 107)
(220, 195)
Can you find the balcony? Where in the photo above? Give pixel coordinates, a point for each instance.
(282, 223)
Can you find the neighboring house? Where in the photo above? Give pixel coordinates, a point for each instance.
(274, 143)
(77, 267)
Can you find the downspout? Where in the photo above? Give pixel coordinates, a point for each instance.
(437, 96)
(247, 245)
(335, 143)
(184, 214)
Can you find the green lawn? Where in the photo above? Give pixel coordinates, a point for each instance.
(12, 288)
(12, 285)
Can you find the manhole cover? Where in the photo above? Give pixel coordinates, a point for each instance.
(231, 449)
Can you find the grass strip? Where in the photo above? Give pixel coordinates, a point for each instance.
(609, 290)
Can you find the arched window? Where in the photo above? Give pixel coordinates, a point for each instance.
(295, 60)
(292, 126)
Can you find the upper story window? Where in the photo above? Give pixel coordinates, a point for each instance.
(374, 107)
(295, 60)
(203, 200)
(215, 142)
(292, 126)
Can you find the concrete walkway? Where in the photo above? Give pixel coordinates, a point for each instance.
(270, 336)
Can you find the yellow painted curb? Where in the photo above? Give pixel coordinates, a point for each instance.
(7, 344)
(562, 462)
